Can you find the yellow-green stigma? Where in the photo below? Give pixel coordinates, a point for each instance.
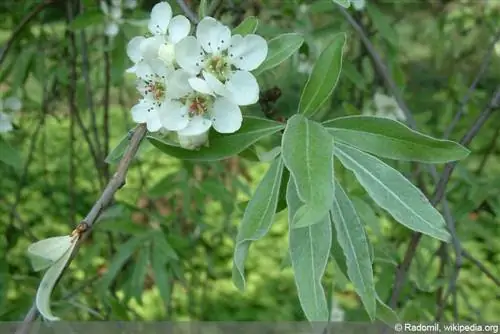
(219, 67)
(198, 105)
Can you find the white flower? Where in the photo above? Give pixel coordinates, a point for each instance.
(158, 87)
(195, 112)
(167, 32)
(224, 60)
(337, 313)
(358, 4)
(12, 104)
(386, 106)
(193, 142)
(113, 17)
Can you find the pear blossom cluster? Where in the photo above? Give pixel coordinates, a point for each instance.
(8, 105)
(114, 14)
(191, 83)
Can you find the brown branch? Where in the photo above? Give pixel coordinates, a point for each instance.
(24, 22)
(116, 182)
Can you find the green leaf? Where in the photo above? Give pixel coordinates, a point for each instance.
(353, 75)
(48, 282)
(352, 238)
(393, 192)
(280, 49)
(307, 152)
(248, 26)
(257, 219)
(9, 155)
(343, 3)
(223, 146)
(324, 77)
(46, 252)
(382, 24)
(160, 272)
(386, 314)
(139, 273)
(203, 9)
(393, 140)
(117, 153)
(124, 252)
(87, 19)
(309, 250)
(162, 244)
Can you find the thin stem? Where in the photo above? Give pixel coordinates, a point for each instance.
(188, 11)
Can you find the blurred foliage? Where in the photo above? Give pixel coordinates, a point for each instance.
(164, 249)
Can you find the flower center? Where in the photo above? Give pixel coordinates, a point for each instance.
(199, 104)
(219, 66)
(157, 89)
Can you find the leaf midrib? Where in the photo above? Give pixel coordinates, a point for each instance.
(389, 190)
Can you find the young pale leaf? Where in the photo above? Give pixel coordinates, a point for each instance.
(324, 77)
(393, 192)
(46, 252)
(223, 146)
(393, 140)
(280, 49)
(343, 3)
(248, 26)
(49, 280)
(309, 251)
(117, 153)
(307, 152)
(257, 219)
(352, 238)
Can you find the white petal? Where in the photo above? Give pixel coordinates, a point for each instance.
(173, 115)
(150, 46)
(200, 85)
(197, 125)
(134, 48)
(178, 84)
(226, 115)
(214, 37)
(111, 29)
(178, 28)
(153, 124)
(189, 55)
(115, 13)
(193, 142)
(243, 88)
(159, 68)
(143, 70)
(214, 84)
(248, 52)
(12, 103)
(160, 18)
(140, 111)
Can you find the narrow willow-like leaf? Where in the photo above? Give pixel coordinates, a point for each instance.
(160, 272)
(48, 282)
(248, 26)
(87, 19)
(117, 153)
(307, 152)
(223, 146)
(324, 77)
(46, 252)
(382, 24)
(393, 192)
(280, 49)
(203, 9)
(257, 219)
(352, 238)
(309, 252)
(393, 140)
